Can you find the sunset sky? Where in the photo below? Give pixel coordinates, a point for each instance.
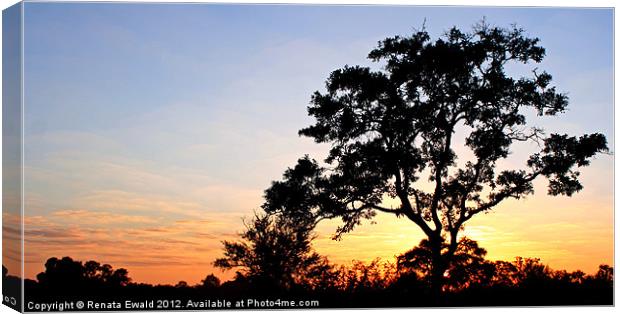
(153, 129)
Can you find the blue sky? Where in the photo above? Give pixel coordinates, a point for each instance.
(127, 59)
(168, 112)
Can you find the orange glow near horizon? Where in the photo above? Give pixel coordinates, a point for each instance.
(565, 233)
(170, 238)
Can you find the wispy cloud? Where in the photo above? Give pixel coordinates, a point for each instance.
(170, 243)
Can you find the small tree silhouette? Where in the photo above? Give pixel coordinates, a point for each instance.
(273, 252)
(211, 282)
(393, 132)
(605, 274)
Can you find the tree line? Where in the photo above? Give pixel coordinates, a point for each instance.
(273, 257)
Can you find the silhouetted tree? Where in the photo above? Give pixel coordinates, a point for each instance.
(211, 282)
(418, 260)
(118, 278)
(469, 267)
(62, 272)
(393, 133)
(506, 274)
(604, 277)
(68, 275)
(181, 285)
(273, 252)
(605, 273)
(531, 272)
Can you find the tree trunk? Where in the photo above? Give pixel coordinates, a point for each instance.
(437, 272)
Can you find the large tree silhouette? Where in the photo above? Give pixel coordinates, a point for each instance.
(393, 132)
